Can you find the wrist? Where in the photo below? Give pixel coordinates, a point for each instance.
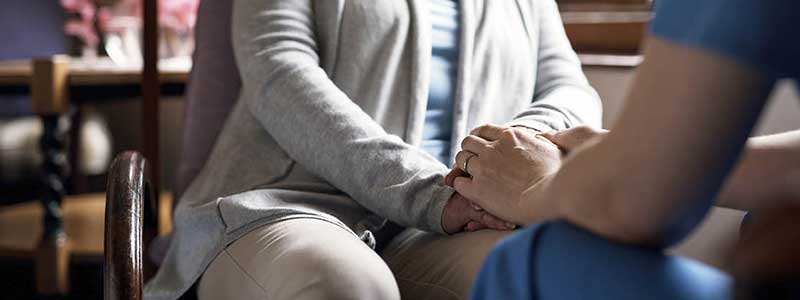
(536, 203)
(443, 208)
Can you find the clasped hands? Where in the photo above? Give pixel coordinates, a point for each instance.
(501, 174)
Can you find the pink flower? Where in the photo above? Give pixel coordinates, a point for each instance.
(83, 27)
(85, 32)
(176, 15)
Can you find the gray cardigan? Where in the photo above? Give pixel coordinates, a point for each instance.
(332, 107)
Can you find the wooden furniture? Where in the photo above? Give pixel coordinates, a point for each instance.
(124, 271)
(618, 32)
(129, 221)
(84, 76)
(55, 83)
(82, 217)
(606, 33)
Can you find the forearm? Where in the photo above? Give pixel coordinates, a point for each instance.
(767, 175)
(344, 146)
(638, 186)
(582, 192)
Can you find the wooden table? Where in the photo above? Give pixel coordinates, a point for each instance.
(90, 81)
(55, 85)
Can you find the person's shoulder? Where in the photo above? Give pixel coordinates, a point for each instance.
(754, 32)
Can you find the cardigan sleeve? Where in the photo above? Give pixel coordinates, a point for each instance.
(562, 97)
(320, 127)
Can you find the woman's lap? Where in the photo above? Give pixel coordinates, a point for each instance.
(560, 261)
(434, 266)
(281, 259)
(298, 259)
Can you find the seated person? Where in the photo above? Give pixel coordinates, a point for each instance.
(348, 115)
(643, 186)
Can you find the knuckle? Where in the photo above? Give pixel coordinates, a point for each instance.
(465, 142)
(508, 133)
(460, 184)
(584, 131)
(461, 157)
(485, 217)
(490, 172)
(475, 168)
(478, 130)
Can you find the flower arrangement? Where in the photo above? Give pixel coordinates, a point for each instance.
(82, 27)
(92, 19)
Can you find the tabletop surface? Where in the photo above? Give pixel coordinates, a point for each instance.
(101, 71)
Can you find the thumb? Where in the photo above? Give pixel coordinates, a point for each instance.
(572, 138)
(451, 176)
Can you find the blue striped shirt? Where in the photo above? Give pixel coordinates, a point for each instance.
(438, 129)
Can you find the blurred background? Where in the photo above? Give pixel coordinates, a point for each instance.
(103, 39)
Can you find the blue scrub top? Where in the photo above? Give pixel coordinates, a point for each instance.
(764, 34)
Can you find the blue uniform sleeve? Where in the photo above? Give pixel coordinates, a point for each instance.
(764, 34)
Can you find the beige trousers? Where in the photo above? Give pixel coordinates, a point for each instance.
(303, 259)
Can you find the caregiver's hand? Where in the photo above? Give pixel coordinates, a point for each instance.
(572, 138)
(460, 215)
(505, 165)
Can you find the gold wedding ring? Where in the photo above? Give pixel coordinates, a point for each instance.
(466, 162)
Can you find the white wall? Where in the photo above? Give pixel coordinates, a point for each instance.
(712, 242)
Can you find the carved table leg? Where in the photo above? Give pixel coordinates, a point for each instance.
(52, 259)
(49, 89)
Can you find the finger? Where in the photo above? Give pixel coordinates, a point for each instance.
(550, 135)
(489, 132)
(475, 206)
(474, 226)
(456, 214)
(451, 176)
(491, 221)
(572, 138)
(475, 144)
(461, 161)
(546, 141)
(465, 187)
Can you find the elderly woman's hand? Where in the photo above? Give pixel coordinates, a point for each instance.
(461, 215)
(504, 165)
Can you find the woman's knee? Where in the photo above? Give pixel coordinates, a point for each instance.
(312, 259)
(338, 272)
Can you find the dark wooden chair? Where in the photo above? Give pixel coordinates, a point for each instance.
(131, 208)
(210, 95)
(129, 224)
